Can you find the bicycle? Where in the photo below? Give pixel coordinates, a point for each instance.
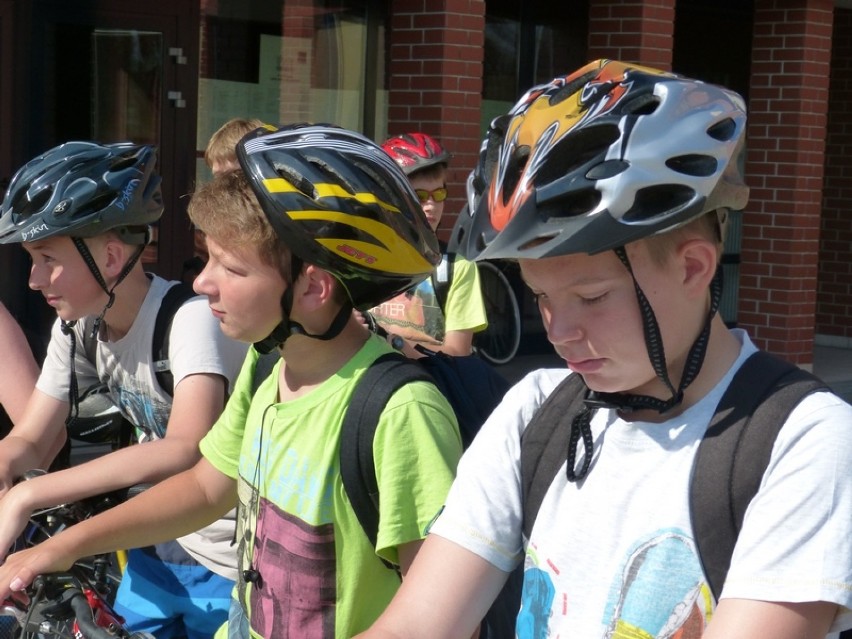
(76, 604)
(500, 341)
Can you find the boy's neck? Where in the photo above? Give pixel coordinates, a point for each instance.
(308, 362)
(723, 348)
(129, 297)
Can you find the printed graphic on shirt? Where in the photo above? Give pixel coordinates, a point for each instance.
(414, 315)
(148, 415)
(660, 593)
(295, 593)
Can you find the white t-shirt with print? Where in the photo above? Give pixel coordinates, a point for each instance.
(614, 555)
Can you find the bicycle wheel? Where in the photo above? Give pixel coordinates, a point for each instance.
(499, 342)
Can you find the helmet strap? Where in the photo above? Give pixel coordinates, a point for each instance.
(581, 425)
(656, 353)
(287, 327)
(84, 251)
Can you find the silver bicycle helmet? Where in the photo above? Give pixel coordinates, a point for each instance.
(609, 154)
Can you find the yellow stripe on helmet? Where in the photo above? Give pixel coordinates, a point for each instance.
(280, 185)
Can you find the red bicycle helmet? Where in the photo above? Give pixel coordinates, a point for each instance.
(607, 155)
(415, 151)
(338, 201)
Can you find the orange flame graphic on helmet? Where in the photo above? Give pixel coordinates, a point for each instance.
(536, 126)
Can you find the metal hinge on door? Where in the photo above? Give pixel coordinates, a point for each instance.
(176, 98)
(177, 54)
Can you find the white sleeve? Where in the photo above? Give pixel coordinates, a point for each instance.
(795, 542)
(483, 512)
(197, 344)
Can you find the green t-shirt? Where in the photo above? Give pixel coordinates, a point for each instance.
(320, 576)
(417, 315)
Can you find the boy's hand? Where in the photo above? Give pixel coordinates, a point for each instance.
(21, 568)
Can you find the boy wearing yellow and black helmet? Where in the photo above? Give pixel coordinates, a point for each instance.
(318, 222)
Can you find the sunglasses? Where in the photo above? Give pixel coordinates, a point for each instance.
(439, 195)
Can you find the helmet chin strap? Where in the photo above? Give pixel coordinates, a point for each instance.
(625, 402)
(96, 273)
(286, 328)
(68, 327)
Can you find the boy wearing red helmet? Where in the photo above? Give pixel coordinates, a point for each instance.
(424, 315)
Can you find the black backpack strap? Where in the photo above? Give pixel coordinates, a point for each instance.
(263, 368)
(442, 279)
(734, 454)
(544, 444)
(171, 302)
(379, 382)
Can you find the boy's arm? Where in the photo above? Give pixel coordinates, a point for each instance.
(34, 440)
(175, 507)
(19, 372)
(745, 618)
(457, 343)
(197, 403)
(445, 594)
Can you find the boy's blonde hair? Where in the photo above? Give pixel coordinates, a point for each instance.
(222, 145)
(227, 210)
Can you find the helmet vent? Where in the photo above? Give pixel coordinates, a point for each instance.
(518, 162)
(571, 88)
(723, 131)
(573, 204)
(26, 207)
(693, 164)
(576, 151)
(93, 206)
(122, 163)
(644, 104)
(657, 201)
(300, 182)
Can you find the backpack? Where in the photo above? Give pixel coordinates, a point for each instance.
(729, 464)
(174, 298)
(739, 440)
(106, 424)
(472, 387)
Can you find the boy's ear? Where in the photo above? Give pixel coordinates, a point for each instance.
(315, 287)
(699, 259)
(115, 254)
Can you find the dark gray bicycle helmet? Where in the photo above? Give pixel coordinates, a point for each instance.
(82, 189)
(607, 155)
(337, 200)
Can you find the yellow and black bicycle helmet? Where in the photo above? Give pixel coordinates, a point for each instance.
(609, 154)
(337, 200)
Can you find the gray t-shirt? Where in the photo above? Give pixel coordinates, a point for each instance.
(196, 345)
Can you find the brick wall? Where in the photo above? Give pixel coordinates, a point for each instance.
(632, 31)
(786, 133)
(834, 291)
(435, 81)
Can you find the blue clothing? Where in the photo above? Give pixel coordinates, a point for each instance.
(172, 600)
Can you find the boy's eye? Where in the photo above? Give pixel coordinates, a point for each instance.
(595, 299)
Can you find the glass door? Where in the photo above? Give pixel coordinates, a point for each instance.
(111, 71)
